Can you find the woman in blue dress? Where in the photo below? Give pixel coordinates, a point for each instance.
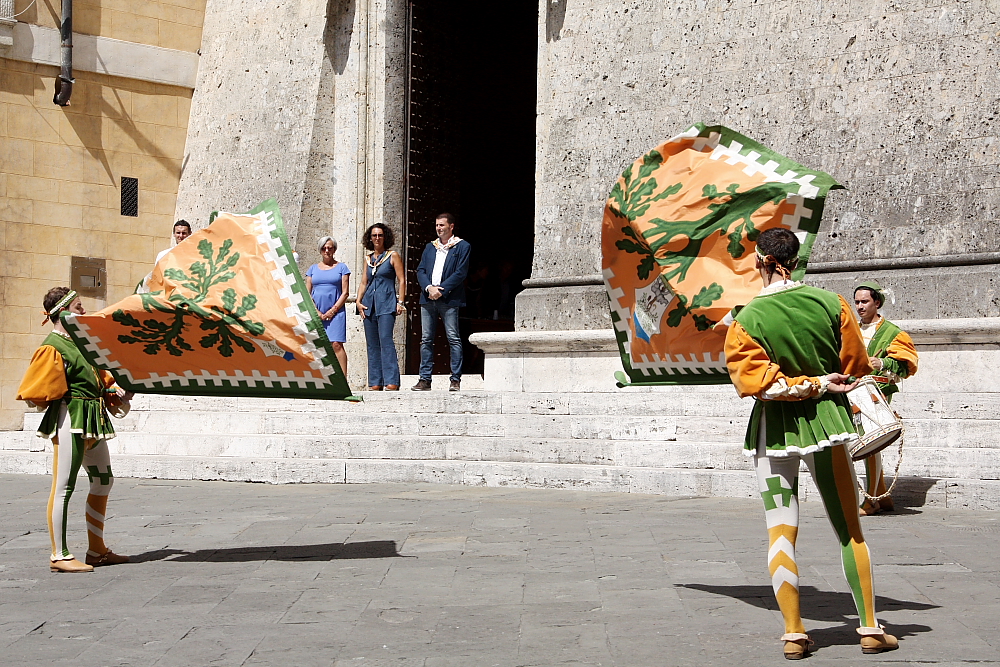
(379, 303)
(329, 284)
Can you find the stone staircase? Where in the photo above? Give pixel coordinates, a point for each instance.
(664, 440)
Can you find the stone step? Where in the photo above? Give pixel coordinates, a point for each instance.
(694, 402)
(931, 462)
(945, 434)
(912, 491)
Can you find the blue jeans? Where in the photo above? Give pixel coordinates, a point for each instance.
(383, 366)
(429, 313)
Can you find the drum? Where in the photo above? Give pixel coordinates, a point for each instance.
(877, 424)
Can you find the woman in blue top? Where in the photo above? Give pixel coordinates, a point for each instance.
(329, 284)
(379, 303)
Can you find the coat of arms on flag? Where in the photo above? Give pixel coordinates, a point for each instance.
(227, 314)
(678, 246)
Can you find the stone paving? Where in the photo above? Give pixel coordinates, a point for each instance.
(228, 573)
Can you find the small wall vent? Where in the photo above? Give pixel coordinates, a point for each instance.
(130, 196)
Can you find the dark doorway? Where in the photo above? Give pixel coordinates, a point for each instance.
(471, 151)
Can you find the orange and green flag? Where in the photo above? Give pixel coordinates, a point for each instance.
(678, 246)
(227, 314)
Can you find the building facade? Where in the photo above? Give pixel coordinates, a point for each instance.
(519, 118)
(62, 203)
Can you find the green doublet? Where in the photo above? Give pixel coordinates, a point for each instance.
(878, 347)
(85, 401)
(799, 328)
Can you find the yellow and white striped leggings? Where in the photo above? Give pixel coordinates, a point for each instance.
(833, 473)
(69, 453)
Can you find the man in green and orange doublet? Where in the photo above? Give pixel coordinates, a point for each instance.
(893, 357)
(793, 348)
(76, 398)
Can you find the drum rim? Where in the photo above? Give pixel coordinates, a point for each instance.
(860, 454)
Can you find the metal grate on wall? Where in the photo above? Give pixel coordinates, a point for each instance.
(130, 196)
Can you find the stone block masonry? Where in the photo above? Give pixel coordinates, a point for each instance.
(899, 102)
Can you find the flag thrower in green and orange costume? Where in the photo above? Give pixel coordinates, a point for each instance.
(678, 239)
(227, 314)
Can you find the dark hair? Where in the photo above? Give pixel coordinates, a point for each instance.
(52, 297)
(451, 220)
(876, 297)
(781, 244)
(389, 241)
(182, 223)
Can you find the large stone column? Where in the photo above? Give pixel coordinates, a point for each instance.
(301, 101)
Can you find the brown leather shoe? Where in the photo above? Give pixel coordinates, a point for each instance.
(422, 385)
(796, 646)
(456, 385)
(869, 508)
(71, 565)
(109, 557)
(375, 388)
(878, 643)
(886, 505)
(392, 387)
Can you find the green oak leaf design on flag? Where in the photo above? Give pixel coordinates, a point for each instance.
(219, 323)
(703, 299)
(737, 207)
(203, 277)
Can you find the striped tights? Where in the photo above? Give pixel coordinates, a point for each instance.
(69, 453)
(833, 473)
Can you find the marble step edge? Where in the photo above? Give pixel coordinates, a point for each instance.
(924, 462)
(928, 433)
(666, 397)
(912, 491)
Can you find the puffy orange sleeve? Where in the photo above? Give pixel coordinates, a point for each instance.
(45, 379)
(754, 374)
(853, 353)
(902, 349)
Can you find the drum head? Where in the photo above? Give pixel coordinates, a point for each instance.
(873, 443)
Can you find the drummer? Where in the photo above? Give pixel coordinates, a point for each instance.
(893, 357)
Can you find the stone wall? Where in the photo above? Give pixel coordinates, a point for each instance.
(61, 167)
(900, 101)
(302, 101)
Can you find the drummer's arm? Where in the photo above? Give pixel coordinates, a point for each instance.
(901, 356)
(853, 352)
(754, 374)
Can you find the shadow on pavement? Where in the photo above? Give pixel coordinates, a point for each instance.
(817, 605)
(333, 551)
(824, 606)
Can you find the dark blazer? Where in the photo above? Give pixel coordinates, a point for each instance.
(456, 268)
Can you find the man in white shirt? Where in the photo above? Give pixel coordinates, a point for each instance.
(182, 230)
(441, 275)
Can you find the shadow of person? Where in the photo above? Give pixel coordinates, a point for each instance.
(817, 605)
(305, 552)
(823, 606)
(911, 492)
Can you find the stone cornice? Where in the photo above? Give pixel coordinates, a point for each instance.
(103, 55)
(499, 342)
(959, 331)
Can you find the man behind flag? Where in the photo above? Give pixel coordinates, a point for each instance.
(793, 348)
